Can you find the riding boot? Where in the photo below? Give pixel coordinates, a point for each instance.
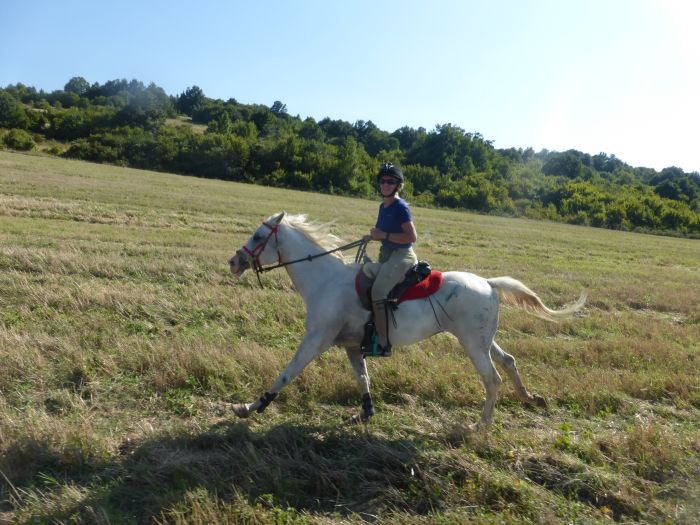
(381, 323)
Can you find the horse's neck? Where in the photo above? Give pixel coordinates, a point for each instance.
(309, 276)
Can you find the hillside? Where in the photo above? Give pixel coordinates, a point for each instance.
(124, 340)
(127, 123)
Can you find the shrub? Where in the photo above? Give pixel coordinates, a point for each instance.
(20, 140)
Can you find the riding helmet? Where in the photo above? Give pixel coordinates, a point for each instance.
(389, 170)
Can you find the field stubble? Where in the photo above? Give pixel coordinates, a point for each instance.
(123, 339)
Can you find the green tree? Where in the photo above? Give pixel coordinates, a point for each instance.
(408, 137)
(221, 125)
(563, 165)
(310, 130)
(279, 109)
(374, 139)
(263, 118)
(452, 151)
(336, 131)
(77, 85)
(12, 113)
(191, 99)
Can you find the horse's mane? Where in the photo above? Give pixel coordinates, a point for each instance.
(317, 232)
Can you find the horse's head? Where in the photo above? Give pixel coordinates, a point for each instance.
(260, 249)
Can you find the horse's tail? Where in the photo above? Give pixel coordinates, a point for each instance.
(515, 293)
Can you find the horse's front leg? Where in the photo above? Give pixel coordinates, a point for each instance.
(360, 367)
(313, 344)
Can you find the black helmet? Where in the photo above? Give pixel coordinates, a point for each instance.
(389, 170)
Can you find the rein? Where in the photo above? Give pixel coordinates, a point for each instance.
(258, 268)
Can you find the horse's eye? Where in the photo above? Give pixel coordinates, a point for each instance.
(256, 237)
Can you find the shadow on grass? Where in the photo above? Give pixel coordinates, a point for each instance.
(308, 468)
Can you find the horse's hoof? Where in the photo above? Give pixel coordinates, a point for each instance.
(357, 419)
(354, 420)
(241, 410)
(539, 401)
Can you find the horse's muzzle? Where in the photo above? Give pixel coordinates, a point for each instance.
(238, 263)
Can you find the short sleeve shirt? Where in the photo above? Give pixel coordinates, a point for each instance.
(390, 220)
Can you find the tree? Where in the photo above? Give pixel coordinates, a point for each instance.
(310, 130)
(220, 125)
(278, 108)
(12, 114)
(191, 99)
(77, 85)
(374, 139)
(563, 164)
(407, 136)
(452, 151)
(352, 172)
(262, 117)
(337, 130)
(208, 111)
(607, 164)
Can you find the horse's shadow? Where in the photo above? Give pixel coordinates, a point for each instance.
(317, 469)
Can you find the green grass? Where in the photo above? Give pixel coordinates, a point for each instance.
(124, 339)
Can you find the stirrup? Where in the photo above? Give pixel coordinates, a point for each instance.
(370, 346)
(382, 351)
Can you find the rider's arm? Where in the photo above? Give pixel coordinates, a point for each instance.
(407, 236)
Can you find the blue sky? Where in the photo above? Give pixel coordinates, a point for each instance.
(614, 76)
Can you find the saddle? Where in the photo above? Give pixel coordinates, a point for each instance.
(420, 282)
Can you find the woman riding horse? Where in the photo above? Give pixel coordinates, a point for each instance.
(468, 308)
(395, 229)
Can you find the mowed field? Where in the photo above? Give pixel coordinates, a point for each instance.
(124, 340)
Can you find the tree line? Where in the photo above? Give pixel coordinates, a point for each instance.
(132, 124)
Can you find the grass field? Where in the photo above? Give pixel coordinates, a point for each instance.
(124, 340)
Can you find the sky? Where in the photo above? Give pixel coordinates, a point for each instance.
(615, 76)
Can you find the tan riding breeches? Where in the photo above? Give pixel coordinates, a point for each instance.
(392, 272)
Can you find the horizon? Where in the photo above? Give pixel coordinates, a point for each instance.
(615, 79)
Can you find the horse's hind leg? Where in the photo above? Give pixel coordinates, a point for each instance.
(507, 361)
(480, 356)
(360, 367)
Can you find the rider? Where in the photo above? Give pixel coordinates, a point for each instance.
(395, 229)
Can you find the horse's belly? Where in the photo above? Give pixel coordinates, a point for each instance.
(415, 321)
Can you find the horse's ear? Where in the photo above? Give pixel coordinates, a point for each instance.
(278, 218)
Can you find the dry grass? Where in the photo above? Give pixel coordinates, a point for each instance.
(123, 340)
(186, 122)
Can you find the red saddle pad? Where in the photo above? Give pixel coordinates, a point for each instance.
(420, 290)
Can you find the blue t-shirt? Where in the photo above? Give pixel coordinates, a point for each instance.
(390, 220)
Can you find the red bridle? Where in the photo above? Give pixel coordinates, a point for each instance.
(254, 254)
(260, 247)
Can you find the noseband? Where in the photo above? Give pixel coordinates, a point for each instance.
(254, 254)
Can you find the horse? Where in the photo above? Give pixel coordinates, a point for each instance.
(468, 308)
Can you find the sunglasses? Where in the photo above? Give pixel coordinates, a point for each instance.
(390, 182)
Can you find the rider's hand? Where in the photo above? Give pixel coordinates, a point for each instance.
(366, 238)
(377, 234)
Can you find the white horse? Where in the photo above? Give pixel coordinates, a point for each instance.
(468, 308)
